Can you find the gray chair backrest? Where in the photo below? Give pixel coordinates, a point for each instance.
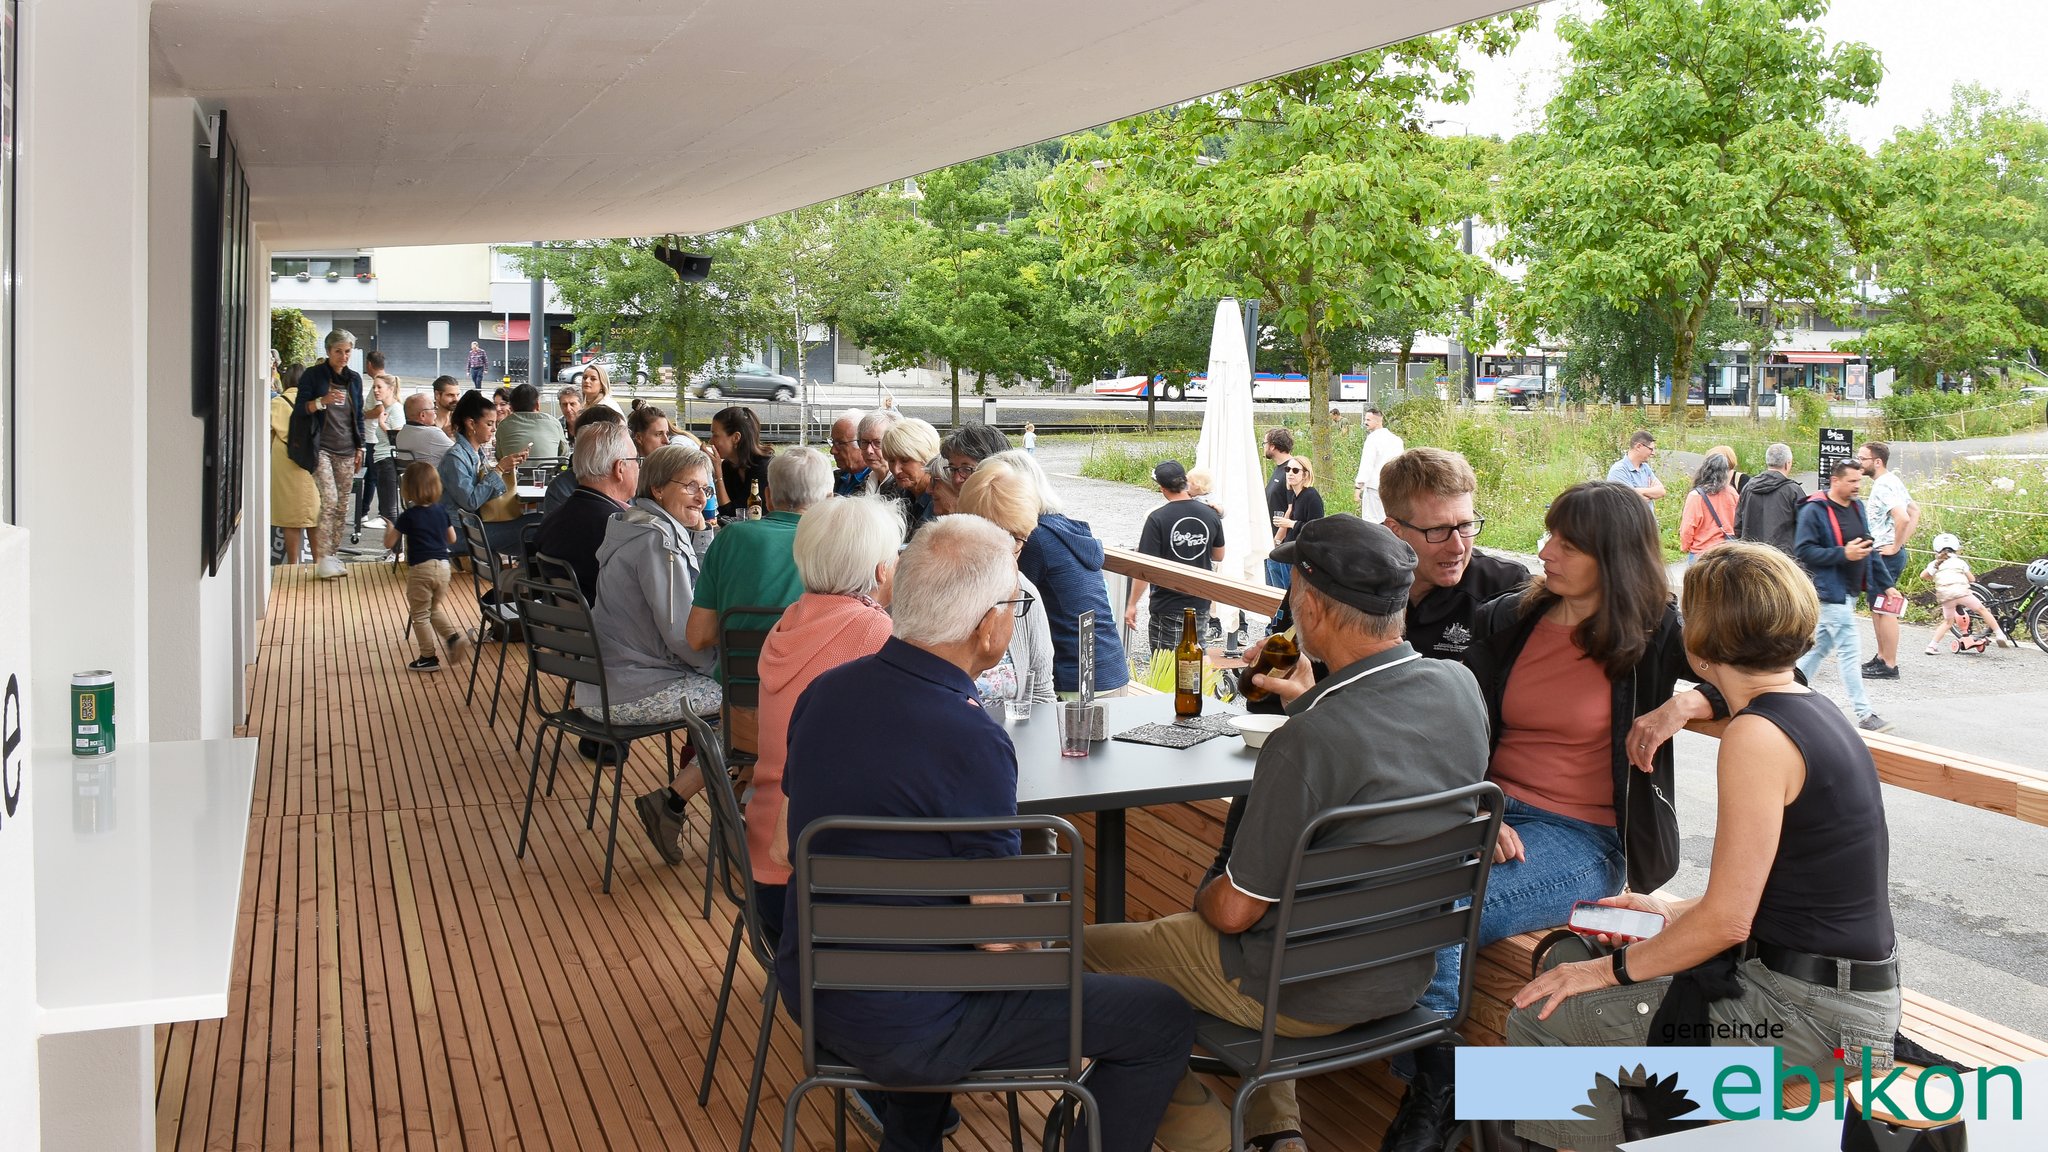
(560, 638)
(855, 941)
(1349, 907)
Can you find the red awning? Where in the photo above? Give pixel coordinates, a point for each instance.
(1813, 357)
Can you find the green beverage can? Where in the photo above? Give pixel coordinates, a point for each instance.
(92, 713)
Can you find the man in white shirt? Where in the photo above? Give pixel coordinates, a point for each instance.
(421, 439)
(1381, 445)
(1893, 517)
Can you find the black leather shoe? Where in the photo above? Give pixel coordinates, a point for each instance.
(1423, 1122)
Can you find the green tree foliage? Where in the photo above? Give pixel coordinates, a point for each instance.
(1317, 193)
(973, 283)
(1686, 157)
(1962, 239)
(293, 337)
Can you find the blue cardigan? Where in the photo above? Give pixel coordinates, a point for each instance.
(1065, 560)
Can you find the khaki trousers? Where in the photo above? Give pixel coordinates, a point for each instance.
(426, 588)
(1180, 951)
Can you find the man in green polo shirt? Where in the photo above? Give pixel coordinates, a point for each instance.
(752, 563)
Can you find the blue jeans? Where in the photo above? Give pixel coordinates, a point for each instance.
(1279, 575)
(1137, 1031)
(1564, 861)
(1838, 631)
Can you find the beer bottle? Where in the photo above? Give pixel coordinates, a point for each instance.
(754, 509)
(1276, 658)
(1187, 669)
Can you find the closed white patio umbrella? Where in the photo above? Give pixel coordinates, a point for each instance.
(1229, 450)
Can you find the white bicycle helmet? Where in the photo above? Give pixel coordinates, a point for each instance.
(1947, 542)
(2037, 572)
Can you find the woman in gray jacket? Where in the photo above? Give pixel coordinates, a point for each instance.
(646, 572)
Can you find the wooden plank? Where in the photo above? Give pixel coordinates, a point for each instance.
(1179, 577)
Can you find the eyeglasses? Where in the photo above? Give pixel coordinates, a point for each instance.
(1293, 471)
(693, 489)
(846, 443)
(1442, 532)
(1019, 606)
(868, 443)
(960, 471)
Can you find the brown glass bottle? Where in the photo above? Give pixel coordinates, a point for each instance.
(754, 509)
(1276, 658)
(1187, 668)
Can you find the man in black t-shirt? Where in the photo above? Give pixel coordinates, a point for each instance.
(1184, 530)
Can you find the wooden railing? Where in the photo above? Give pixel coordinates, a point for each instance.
(1977, 781)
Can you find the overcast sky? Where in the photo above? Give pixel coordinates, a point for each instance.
(1927, 46)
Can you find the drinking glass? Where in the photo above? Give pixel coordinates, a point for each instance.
(1018, 708)
(1076, 723)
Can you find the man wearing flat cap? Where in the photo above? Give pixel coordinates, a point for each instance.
(1384, 725)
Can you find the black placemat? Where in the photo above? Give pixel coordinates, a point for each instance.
(1175, 735)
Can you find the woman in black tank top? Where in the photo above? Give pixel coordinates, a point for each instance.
(1797, 895)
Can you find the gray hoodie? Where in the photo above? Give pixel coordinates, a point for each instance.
(646, 572)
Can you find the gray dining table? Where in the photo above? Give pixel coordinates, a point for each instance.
(1117, 776)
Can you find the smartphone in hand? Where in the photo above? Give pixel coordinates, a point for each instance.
(1590, 918)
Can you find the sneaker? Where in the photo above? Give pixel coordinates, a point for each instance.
(425, 664)
(664, 827)
(1875, 662)
(330, 568)
(1875, 723)
(1881, 671)
(865, 1110)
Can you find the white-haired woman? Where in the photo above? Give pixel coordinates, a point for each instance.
(846, 554)
(1004, 497)
(909, 448)
(1063, 560)
(646, 573)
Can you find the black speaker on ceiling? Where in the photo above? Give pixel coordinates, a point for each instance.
(687, 265)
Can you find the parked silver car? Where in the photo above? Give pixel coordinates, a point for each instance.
(743, 378)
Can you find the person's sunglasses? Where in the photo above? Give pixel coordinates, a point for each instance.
(1442, 532)
(1295, 471)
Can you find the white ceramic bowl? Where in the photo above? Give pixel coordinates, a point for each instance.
(1255, 727)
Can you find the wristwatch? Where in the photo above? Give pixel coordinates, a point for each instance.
(1620, 964)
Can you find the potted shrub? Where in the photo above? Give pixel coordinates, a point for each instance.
(305, 276)
(332, 276)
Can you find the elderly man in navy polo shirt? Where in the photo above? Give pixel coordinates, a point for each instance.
(930, 751)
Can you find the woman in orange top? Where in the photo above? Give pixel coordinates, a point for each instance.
(845, 552)
(1709, 516)
(1578, 671)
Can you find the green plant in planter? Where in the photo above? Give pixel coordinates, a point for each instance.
(334, 275)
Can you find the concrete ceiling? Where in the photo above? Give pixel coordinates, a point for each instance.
(374, 122)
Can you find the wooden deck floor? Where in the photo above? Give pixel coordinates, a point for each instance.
(402, 982)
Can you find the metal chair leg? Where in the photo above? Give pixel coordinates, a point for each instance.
(476, 655)
(711, 855)
(556, 760)
(732, 961)
(760, 1064)
(596, 785)
(611, 840)
(525, 694)
(532, 779)
(1016, 1123)
(504, 647)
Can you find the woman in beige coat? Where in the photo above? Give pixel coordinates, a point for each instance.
(294, 501)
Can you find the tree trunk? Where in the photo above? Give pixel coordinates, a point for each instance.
(1403, 352)
(1757, 352)
(1681, 369)
(955, 369)
(1318, 355)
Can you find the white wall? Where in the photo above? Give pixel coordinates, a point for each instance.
(84, 482)
(458, 275)
(19, 1098)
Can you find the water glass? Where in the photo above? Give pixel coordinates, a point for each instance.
(1018, 708)
(1076, 725)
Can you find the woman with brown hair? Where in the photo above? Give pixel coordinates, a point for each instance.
(742, 459)
(1578, 671)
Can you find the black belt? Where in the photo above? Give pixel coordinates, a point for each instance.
(1826, 971)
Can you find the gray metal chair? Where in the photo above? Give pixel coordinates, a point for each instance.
(1352, 907)
(561, 641)
(847, 943)
(497, 612)
(727, 841)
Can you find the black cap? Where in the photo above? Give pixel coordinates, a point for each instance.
(1170, 476)
(1352, 562)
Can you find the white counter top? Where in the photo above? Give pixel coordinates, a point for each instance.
(138, 881)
